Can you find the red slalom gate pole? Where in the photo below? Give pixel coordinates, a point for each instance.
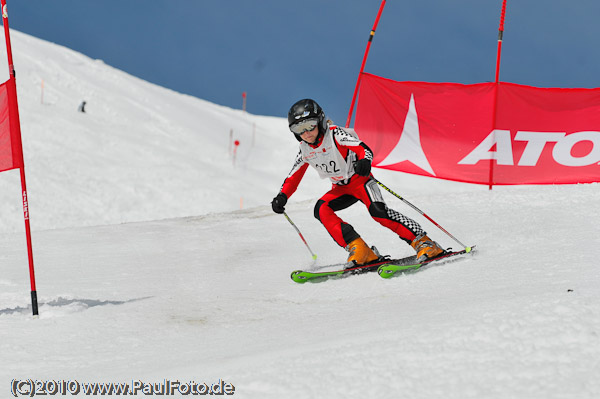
(497, 81)
(364, 61)
(15, 127)
(500, 35)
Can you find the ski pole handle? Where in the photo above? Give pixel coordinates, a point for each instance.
(421, 212)
(314, 256)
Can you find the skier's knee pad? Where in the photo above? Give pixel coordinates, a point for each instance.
(378, 210)
(318, 208)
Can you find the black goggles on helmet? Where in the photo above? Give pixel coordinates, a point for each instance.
(304, 126)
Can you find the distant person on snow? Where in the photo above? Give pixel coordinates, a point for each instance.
(342, 157)
(82, 107)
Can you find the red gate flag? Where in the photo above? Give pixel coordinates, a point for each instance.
(11, 148)
(10, 143)
(447, 130)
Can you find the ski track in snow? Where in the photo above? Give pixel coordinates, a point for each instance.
(146, 270)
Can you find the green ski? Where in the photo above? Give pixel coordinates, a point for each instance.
(388, 270)
(302, 276)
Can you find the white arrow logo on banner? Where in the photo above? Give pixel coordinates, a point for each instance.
(409, 145)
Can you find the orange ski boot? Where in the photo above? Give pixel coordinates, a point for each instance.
(426, 248)
(360, 253)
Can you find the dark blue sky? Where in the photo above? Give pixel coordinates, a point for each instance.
(279, 51)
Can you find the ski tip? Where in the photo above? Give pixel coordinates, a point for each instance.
(384, 272)
(298, 277)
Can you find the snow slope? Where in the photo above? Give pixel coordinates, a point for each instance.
(140, 152)
(193, 288)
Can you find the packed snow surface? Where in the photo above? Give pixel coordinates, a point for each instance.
(158, 258)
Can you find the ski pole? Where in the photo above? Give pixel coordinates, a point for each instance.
(422, 213)
(314, 256)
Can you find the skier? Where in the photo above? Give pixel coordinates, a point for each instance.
(342, 157)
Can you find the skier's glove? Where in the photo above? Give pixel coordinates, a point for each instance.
(362, 167)
(279, 202)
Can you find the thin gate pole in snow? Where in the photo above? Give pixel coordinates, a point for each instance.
(15, 127)
(500, 35)
(497, 81)
(364, 61)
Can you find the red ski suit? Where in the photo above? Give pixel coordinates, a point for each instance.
(333, 156)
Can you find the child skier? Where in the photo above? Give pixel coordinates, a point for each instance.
(339, 155)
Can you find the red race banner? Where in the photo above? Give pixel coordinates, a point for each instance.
(483, 133)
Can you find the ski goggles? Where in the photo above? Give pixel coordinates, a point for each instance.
(304, 126)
